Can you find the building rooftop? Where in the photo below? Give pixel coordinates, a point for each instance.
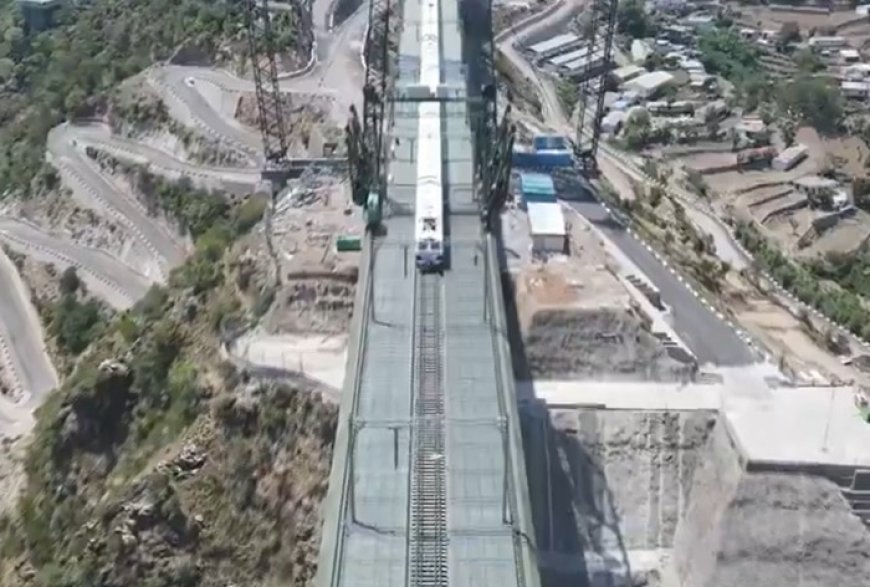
(537, 183)
(628, 71)
(546, 218)
(815, 181)
(569, 56)
(651, 80)
(793, 151)
(554, 43)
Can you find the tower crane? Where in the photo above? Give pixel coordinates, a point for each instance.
(270, 118)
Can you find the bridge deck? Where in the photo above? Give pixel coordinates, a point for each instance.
(366, 539)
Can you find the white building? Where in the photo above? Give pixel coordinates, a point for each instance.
(554, 46)
(848, 56)
(819, 43)
(613, 121)
(626, 73)
(700, 22)
(856, 90)
(856, 72)
(789, 158)
(547, 227)
(640, 50)
(649, 84)
(693, 66)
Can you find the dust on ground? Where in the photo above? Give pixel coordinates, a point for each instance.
(310, 128)
(506, 14)
(58, 212)
(296, 279)
(796, 342)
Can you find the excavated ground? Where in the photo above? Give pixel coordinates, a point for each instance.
(660, 499)
(600, 344)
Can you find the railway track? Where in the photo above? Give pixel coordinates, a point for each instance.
(428, 511)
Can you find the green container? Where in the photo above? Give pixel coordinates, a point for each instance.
(346, 243)
(373, 210)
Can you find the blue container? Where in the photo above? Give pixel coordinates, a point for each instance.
(523, 159)
(554, 159)
(549, 142)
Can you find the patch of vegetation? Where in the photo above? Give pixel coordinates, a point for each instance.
(725, 53)
(568, 93)
(196, 211)
(69, 70)
(632, 20)
(75, 323)
(814, 101)
(156, 464)
(808, 284)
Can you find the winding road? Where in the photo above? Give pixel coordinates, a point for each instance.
(201, 98)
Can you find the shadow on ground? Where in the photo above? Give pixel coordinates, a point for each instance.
(577, 528)
(577, 534)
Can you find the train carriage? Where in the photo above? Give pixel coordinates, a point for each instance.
(429, 208)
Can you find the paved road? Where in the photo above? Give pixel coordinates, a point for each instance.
(706, 335)
(93, 188)
(207, 96)
(117, 283)
(21, 343)
(711, 339)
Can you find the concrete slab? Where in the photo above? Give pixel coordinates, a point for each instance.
(800, 426)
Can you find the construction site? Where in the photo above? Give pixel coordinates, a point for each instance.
(565, 401)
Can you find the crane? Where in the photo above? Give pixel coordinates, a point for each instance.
(270, 117)
(591, 81)
(365, 145)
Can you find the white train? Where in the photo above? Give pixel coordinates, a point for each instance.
(429, 208)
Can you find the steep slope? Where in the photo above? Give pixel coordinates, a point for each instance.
(158, 464)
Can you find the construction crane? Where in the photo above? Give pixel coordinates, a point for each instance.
(591, 82)
(365, 139)
(270, 117)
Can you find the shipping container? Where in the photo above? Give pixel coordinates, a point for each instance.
(346, 243)
(537, 187)
(549, 142)
(547, 227)
(554, 159)
(523, 158)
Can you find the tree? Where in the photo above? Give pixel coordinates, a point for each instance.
(788, 129)
(638, 128)
(815, 101)
(789, 33)
(69, 281)
(808, 62)
(632, 19)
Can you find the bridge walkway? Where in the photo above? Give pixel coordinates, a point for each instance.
(370, 535)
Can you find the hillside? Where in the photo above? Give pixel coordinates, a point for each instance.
(69, 70)
(158, 464)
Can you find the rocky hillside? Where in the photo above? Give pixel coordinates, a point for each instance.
(158, 464)
(69, 70)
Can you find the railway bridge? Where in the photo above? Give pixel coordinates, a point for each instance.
(428, 484)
